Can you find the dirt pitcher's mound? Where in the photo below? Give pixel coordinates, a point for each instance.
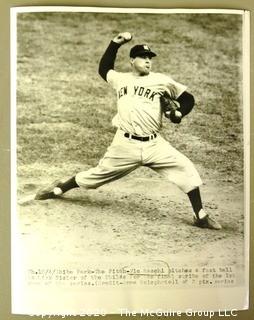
(137, 217)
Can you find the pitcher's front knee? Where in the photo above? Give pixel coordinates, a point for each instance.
(186, 181)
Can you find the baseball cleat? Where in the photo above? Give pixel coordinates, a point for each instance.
(207, 222)
(52, 191)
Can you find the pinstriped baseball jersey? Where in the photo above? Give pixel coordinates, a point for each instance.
(138, 100)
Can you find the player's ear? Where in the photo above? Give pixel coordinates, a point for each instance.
(131, 61)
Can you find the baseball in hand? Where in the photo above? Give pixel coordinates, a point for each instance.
(123, 37)
(178, 114)
(127, 36)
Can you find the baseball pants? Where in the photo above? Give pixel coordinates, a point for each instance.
(125, 155)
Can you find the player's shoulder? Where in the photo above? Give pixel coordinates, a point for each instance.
(113, 75)
(159, 75)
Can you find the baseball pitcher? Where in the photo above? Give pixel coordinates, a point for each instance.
(143, 98)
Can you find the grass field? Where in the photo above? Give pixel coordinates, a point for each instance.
(65, 108)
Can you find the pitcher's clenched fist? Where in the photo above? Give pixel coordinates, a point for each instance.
(123, 37)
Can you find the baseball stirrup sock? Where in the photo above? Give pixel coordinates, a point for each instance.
(196, 202)
(69, 184)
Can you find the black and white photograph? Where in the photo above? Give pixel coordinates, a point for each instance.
(130, 154)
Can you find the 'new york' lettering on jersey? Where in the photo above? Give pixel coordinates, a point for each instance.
(139, 91)
(138, 100)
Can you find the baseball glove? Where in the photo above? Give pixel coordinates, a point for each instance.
(170, 108)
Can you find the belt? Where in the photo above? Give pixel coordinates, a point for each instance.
(147, 138)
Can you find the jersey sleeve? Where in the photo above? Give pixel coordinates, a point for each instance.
(113, 78)
(175, 88)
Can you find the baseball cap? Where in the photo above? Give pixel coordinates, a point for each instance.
(140, 50)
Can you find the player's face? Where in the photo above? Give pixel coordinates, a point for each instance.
(141, 65)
